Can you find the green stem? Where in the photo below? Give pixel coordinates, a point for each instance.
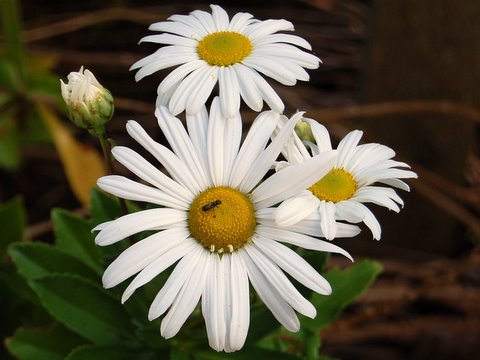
(312, 345)
(107, 154)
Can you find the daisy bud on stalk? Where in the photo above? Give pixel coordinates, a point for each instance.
(89, 105)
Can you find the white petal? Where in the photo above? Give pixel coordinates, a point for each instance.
(134, 223)
(264, 161)
(327, 211)
(346, 147)
(220, 18)
(159, 265)
(271, 69)
(379, 195)
(267, 27)
(267, 92)
(187, 299)
(169, 39)
(176, 168)
(189, 87)
(302, 240)
(164, 58)
(309, 226)
(130, 190)
(254, 143)
(240, 302)
(395, 183)
(178, 74)
(197, 26)
(248, 87)
(140, 254)
(205, 19)
(321, 135)
(201, 92)
(197, 126)
(176, 280)
(181, 144)
(216, 144)
(283, 38)
(282, 311)
(288, 54)
(296, 209)
(279, 281)
(239, 22)
(292, 180)
(294, 265)
(350, 210)
(229, 91)
(175, 27)
(146, 171)
(213, 303)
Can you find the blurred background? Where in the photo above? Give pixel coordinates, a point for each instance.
(404, 71)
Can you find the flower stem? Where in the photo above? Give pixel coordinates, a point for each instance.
(107, 154)
(312, 345)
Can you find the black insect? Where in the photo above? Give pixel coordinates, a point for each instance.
(211, 205)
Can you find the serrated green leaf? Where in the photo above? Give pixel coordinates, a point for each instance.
(73, 235)
(347, 286)
(12, 223)
(84, 307)
(247, 353)
(110, 352)
(35, 260)
(35, 344)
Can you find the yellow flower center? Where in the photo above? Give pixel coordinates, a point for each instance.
(222, 219)
(336, 186)
(224, 48)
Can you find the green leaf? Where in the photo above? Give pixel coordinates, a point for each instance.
(104, 207)
(12, 223)
(110, 352)
(247, 353)
(262, 323)
(73, 235)
(35, 344)
(35, 260)
(347, 286)
(84, 307)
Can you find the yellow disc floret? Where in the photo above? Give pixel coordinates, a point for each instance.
(336, 186)
(224, 48)
(222, 219)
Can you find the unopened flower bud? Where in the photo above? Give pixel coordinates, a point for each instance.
(89, 104)
(304, 131)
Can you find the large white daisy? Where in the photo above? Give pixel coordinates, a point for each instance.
(355, 179)
(210, 48)
(217, 223)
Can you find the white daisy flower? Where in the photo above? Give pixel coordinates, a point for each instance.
(352, 181)
(216, 223)
(210, 48)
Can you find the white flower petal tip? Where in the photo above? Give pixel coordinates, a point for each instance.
(259, 48)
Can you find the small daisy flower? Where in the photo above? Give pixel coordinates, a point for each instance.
(216, 223)
(89, 104)
(352, 181)
(212, 48)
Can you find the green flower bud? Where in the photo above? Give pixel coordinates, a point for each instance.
(89, 105)
(304, 131)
